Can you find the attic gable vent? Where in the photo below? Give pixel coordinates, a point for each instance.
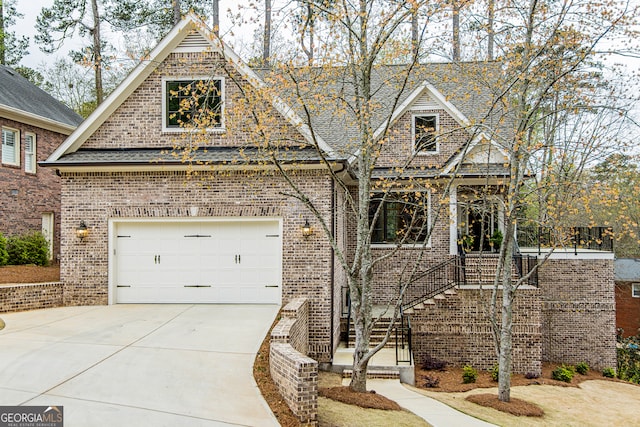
(194, 42)
(425, 102)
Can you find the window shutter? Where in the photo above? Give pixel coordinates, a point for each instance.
(29, 153)
(8, 146)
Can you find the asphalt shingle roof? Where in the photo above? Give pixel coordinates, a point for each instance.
(19, 93)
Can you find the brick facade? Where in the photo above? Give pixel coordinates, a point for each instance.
(457, 330)
(578, 311)
(98, 197)
(295, 374)
(627, 309)
(24, 197)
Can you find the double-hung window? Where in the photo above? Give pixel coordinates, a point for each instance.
(193, 104)
(635, 290)
(425, 128)
(30, 152)
(10, 147)
(402, 218)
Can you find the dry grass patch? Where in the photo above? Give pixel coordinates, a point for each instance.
(333, 414)
(517, 407)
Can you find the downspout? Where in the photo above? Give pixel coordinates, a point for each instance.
(333, 257)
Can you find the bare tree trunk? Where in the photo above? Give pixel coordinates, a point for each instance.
(176, 11)
(97, 52)
(456, 30)
(415, 42)
(490, 30)
(309, 25)
(3, 59)
(266, 42)
(216, 17)
(508, 293)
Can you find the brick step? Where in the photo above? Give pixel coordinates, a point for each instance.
(380, 374)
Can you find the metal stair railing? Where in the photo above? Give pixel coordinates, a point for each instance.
(404, 351)
(437, 279)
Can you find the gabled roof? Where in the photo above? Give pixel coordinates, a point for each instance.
(24, 102)
(189, 31)
(463, 90)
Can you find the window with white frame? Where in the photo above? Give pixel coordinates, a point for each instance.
(425, 128)
(30, 152)
(10, 146)
(402, 217)
(635, 290)
(193, 103)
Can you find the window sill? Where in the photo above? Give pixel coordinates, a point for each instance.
(188, 130)
(405, 246)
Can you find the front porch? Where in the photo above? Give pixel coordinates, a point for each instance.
(444, 309)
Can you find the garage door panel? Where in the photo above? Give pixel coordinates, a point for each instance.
(199, 262)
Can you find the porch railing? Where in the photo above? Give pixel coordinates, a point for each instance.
(594, 238)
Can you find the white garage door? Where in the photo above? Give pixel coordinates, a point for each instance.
(198, 262)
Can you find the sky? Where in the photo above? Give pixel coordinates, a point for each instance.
(31, 8)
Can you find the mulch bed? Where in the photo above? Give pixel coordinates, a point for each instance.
(10, 274)
(268, 388)
(450, 380)
(369, 399)
(515, 406)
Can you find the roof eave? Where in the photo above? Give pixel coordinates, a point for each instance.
(26, 117)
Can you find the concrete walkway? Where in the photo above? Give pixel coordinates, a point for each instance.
(435, 413)
(138, 365)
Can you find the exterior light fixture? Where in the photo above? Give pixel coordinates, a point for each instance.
(306, 229)
(82, 231)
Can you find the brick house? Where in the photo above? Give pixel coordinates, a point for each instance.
(33, 125)
(234, 236)
(627, 280)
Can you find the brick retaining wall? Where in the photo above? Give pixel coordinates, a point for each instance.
(457, 330)
(22, 297)
(295, 374)
(578, 312)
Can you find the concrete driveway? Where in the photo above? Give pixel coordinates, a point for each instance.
(138, 365)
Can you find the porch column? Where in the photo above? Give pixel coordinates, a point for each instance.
(453, 220)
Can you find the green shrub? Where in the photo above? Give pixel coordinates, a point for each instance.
(563, 373)
(469, 375)
(609, 373)
(628, 352)
(582, 368)
(28, 249)
(4, 255)
(495, 372)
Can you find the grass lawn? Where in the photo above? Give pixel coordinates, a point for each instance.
(592, 403)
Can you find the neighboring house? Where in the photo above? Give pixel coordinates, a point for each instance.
(627, 279)
(233, 236)
(33, 125)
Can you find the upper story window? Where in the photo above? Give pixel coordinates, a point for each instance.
(10, 146)
(193, 103)
(425, 128)
(403, 215)
(30, 157)
(635, 290)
